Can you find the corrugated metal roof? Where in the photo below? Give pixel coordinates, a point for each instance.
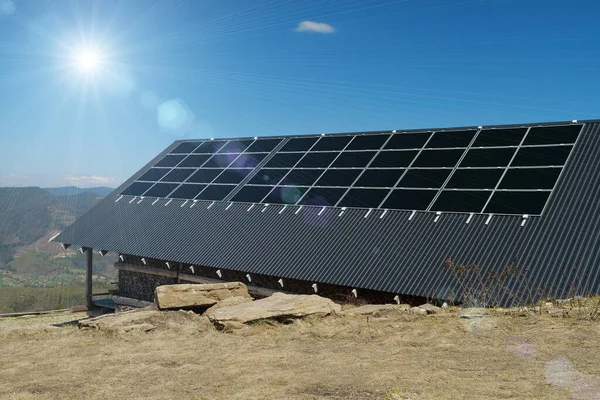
(386, 252)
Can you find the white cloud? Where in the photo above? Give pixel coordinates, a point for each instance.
(91, 180)
(316, 27)
(15, 180)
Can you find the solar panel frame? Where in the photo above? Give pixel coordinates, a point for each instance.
(346, 185)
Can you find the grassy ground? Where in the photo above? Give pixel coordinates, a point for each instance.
(394, 356)
(27, 298)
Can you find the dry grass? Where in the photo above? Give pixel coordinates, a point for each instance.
(395, 356)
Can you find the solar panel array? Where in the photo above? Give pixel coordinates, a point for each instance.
(496, 171)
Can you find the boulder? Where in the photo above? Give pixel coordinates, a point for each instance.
(197, 295)
(146, 320)
(430, 308)
(230, 301)
(276, 306)
(418, 311)
(374, 308)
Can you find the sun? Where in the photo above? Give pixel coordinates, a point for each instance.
(88, 60)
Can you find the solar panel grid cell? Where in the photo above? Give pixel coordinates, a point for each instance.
(451, 139)
(186, 147)
(402, 141)
(187, 191)
(210, 146)
(354, 159)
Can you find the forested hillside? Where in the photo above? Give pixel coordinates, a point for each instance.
(29, 217)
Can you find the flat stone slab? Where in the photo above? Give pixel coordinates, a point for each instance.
(146, 320)
(197, 295)
(277, 306)
(373, 308)
(229, 302)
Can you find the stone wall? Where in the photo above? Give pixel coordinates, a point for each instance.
(141, 286)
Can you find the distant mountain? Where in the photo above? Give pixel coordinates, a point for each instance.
(74, 190)
(29, 213)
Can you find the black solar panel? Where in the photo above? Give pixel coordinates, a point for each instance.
(504, 170)
(451, 139)
(186, 147)
(187, 191)
(368, 142)
(402, 141)
(500, 137)
(285, 195)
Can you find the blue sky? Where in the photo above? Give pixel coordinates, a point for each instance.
(171, 69)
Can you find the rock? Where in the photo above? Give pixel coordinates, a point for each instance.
(277, 306)
(445, 305)
(430, 308)
(197, 295)
(230, 326)
(418, 311)
(230, 301)
(469, 313)
(138, 328)
(80, 308)
(374, 308)
(146, 320)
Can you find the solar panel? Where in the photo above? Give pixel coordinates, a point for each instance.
(285, 195)
(407, 141)
(461, 201)
(504, 170)
(187, 191)
(451, 139)
(186, 147)
(500, 137)
(475, 178)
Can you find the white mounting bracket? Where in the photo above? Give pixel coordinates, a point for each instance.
(470, 217)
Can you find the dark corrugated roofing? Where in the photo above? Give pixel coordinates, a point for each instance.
(383, 251)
